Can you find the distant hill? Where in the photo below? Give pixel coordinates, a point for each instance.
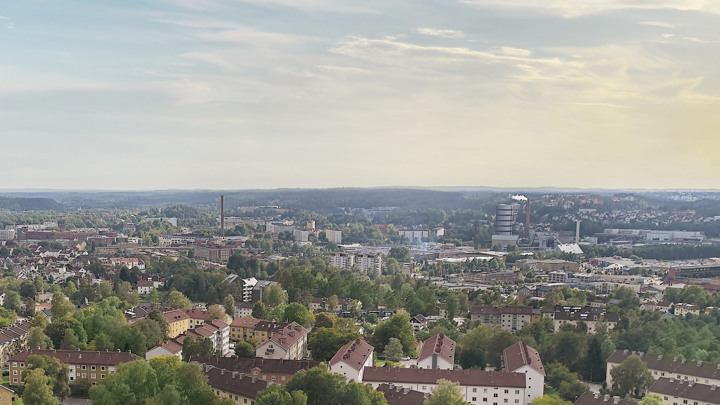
(28, 203)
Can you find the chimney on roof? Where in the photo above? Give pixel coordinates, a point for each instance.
(660, 357)
(606, 398)
(683, 361)
(616, 400)
(699, 363)
(691, 383)
(596, 395)
(713, 387)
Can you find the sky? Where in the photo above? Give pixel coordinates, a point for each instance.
(241, 94)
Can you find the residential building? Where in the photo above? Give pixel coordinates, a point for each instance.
(438, 352)
(242, 328)
(418, 322)
(277, 371)
(13, 339)
(680, 392)
(144, 287)
(217, 331)
(178, 322)
(476, 386)
(342, 260)
(216, 253)
(128, 262)
(521, 358)
(333, 236)
(288, 343)
(93, 366)
(168, 348)
(558, 276)
(676, 368)
(368, 262)
(682, 309)
(590, 316)
(238, 387)
(510, 318)
(243, 309)
(258, 289)
(414, 235)
(351, 360)
(7, 396)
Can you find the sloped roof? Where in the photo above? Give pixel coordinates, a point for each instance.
(674, 365)
(464, 377)
(686, 389)
(354, 354)
(441, 345)
(519, 355)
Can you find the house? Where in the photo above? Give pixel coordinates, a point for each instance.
(351, 360)
(92, 366)
(661, 366)
(13, 339)
(477, 387)
(243, 309)
(521, 358)
(7, 396)
(510, 318)
(682, 309)
(438, 352)
(418, 322)
(242, 328)
(674, 391)
(288, 343)
(170, 347)
(278, 371)
(217, 331)
(590, 316)
(238, 387)
(178, 322)
(144, 287)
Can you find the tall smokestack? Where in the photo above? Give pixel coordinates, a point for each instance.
(527, 218)
(577, 231)
(222, 216)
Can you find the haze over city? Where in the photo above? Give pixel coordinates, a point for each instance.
(327, 93)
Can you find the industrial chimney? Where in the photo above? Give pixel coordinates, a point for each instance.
(222, 216)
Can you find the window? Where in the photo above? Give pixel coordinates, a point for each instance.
(474, 389)
(14, 380)
(22, 364)
(484, 399)
(93, 375)
(282, 378)
(83, 367)
(474, 399)
(506, 391)
(102, 376)
(517, 391)
(505, 400)
(517, 401)
(102, 368)
(84, 375)
(14, 372)
(495, 395)
(92, 368)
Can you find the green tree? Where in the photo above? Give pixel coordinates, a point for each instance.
(12, 301)
(176, 300)
(631, 377)
(216, 312)
(229, 304)
(38, 339)
(274, 295)
(244, 349)
(61, 308)
(400, 253)
(277, 395)
(571, 391)
(56, 372)
(196, 347)
(398, 326)
(325, 320)
(325, 388)
(651, 399)
(325, 342)
(550, 399)
(297, 312)
(259, 310)
(446, 393)
(393, 350)
(37, 389)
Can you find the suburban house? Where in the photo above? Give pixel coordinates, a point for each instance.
(438, 352)
(351, 360)
(288, 343)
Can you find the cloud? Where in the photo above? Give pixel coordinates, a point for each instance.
(574, 8)
(441, 33)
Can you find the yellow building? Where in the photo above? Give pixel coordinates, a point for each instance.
(93, 366)
(6, 395)
(178, 322)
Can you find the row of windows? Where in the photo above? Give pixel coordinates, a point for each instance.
(505, 401)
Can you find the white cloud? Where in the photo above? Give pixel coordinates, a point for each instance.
(575, 8)
(441, 33)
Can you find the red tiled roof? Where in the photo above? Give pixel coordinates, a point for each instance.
(686, 389)
(671, 365)
(354, 354)
(287, 336)
(245, 322)
(245, 365)
(464, 377)
(591, 398)
(440, 344)
(234, 382)
(175, 315)
(520, 354)
(401, 396)
(80, 356)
